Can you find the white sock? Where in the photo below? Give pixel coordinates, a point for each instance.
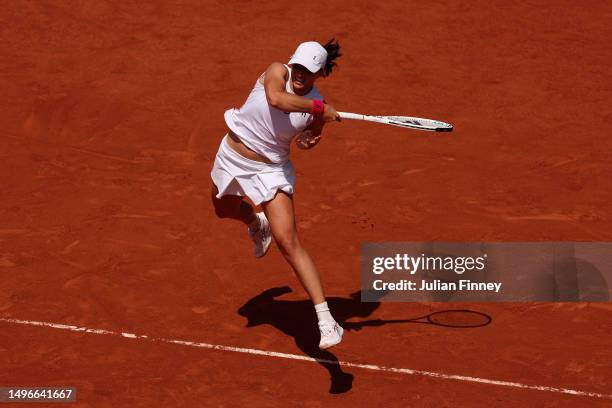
(255, 224)
(323, 312)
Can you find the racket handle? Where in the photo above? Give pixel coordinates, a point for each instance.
(348, 115)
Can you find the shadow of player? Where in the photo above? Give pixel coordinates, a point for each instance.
(296, 318)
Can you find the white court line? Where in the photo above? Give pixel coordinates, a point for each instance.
(304, 358)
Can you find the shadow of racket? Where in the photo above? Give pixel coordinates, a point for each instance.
(457, 318)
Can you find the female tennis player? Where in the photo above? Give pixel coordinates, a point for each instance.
(253, 161)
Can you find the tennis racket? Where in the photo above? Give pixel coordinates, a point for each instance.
(402, 121)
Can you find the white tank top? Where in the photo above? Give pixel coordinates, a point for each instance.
(264, 129)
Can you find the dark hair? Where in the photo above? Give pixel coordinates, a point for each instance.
(333, 52)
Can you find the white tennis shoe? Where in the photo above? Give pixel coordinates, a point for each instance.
(331, 334)
(262, 238)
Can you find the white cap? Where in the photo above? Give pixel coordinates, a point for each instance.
(310, 54)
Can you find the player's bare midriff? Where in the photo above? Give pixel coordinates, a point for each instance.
(235, 143)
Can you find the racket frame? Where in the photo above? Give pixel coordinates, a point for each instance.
(409, 121)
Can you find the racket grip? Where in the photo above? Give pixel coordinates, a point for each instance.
(348, 115)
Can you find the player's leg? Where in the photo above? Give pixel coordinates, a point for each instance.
(234, 207)
(280, 213)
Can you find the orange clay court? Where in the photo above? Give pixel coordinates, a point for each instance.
(118, 279)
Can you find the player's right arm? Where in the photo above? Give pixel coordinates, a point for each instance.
(274, 84)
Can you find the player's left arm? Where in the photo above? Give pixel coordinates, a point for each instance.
(316, 127)
(312, 132)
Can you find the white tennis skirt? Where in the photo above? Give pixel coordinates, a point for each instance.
(236, 175)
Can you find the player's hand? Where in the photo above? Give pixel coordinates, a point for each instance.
(306, 140)
(330, 114)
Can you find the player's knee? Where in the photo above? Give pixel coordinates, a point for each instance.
(288, 242)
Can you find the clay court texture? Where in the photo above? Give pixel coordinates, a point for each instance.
(117, 278)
